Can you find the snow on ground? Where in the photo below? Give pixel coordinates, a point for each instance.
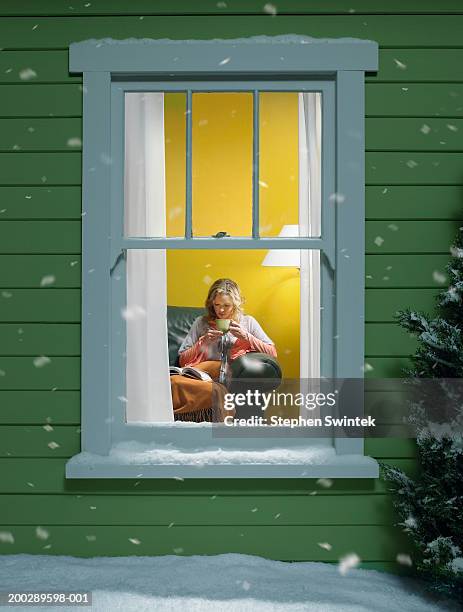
(228, 582)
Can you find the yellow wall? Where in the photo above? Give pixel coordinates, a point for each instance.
(222, 197)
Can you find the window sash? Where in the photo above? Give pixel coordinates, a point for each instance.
(326, 243)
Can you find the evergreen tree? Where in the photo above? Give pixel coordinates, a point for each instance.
(431, 507)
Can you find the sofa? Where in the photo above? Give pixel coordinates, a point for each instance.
(260, 370)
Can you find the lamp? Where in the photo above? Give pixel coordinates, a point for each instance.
(284, 257)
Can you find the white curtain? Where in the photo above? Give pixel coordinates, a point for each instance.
(310, 225)
(147, 372)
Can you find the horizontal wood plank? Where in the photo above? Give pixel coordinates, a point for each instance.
(40, 237)
(414, 168)
(28, 271)
(26, 373)
(388, 30)
(40, 168)
(381, 305)
(385, 367)
(44, 100)
(410, 236)
(44, 202)
(39, 339)
(400, 134)
(40, 407)
(399, 271)
(201, 510)
(53, 134)
(211, 7)
(414, 202)
(41, 305)
(387, 339)
(373, 543)
(414, 100)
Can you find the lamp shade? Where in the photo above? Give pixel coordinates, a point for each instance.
(284, 257)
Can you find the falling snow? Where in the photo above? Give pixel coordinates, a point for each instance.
(400, 64)
(6, 537)
(42, 533)
(132, 313)
(404, 559)
(74, 142)
(439, 277)
(46, 281)
(339, 198)
(269, 8)
(348, 562)
(27, 74)
(40, 362)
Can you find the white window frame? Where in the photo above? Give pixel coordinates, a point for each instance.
(341, 65)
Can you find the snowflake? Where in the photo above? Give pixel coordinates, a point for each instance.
(400, 64)
(348, 562)
(40, 362)
(42, 533)
(47, 280)
(271, 9)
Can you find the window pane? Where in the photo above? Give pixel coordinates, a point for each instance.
(289, 164)
(159, 294)
(222, 163)
(155, 164)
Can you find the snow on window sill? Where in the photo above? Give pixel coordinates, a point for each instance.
(135, 460)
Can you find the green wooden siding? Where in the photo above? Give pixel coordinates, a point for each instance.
(414, 188)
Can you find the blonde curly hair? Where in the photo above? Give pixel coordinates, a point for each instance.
(228, 287)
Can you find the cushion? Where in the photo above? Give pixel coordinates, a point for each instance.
(179, 321)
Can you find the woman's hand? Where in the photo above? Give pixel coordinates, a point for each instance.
(238, 331)
(212, 335)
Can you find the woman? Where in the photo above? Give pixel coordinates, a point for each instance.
(199, 400)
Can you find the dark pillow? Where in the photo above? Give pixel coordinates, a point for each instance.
(179, 321)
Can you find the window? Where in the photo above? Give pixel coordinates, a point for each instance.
(147, 219)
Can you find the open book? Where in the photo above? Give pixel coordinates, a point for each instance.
(189, 372)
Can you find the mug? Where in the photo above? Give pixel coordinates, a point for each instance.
(223, 324)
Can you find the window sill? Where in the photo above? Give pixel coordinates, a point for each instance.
(124, 461)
